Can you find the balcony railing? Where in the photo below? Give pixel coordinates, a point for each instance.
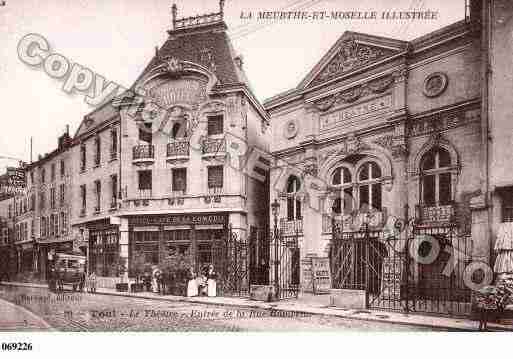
(291, 227)
(145, 193)
(178, 149)
(214, 146)
(143, 152)
(215, 190)
(435, 214)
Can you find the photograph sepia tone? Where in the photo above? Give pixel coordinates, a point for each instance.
(255, 166)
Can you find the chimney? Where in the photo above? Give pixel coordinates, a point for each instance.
(64, 140)
(174, 12)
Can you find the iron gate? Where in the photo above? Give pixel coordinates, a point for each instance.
(285, 268)
(393, 279)
(231, 258)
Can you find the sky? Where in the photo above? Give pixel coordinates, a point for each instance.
(117, 38)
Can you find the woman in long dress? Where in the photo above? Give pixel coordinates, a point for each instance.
(211, 281)
(192, 284)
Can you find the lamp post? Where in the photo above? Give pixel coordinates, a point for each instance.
(275, 207)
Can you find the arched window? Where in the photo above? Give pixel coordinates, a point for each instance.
(435, 169)
(342, 180)
(293, 203)
(369, 186)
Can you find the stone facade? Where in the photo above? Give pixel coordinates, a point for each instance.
(388, 103)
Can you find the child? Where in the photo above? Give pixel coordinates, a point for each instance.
(91, 283)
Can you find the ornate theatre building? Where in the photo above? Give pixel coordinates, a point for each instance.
(381, 130)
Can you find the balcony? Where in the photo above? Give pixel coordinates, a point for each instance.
(291, 227)
(143, 154)
(438, 214)
(214, 194)
(178, 150)
(177, 198)
(213, 147)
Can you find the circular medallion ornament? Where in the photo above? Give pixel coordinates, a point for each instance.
(291, 128)
(435, 84)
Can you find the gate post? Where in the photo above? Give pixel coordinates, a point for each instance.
(275, 206)
(407, 257)
(367, 265)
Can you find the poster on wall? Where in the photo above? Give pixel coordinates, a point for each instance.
(321, 275)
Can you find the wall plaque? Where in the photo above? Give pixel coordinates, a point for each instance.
(371, 107)
(321, 273)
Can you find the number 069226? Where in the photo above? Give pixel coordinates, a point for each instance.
(16, 346)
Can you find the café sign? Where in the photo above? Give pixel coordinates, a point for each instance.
(180, 219)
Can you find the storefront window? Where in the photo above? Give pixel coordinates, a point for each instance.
(104, 251)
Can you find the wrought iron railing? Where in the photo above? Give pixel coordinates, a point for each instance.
(143, 151)
(291, 227)
(213, 145)
(215, 190)
(178, 148)
(197, 20)
(145, 193)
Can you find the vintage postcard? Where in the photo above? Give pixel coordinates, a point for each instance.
(227, 166)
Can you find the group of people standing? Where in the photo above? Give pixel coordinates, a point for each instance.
(202, 284)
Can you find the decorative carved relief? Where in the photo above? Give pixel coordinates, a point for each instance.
(435, 84)
(350, 56)
(355, 93)
(173, 66)
(290, 129)
(385, 141)
(310, 168)
(400, 75)
(442, 122)
(395, 144)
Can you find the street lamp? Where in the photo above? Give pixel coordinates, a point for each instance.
(275, 207)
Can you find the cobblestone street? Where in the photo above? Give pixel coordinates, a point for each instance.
(87, 312)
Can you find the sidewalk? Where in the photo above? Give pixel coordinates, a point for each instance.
(16, 318)
(310, 304)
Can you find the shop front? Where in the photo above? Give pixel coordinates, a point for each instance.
(155, 238)
(103, 248)
(26, 257)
